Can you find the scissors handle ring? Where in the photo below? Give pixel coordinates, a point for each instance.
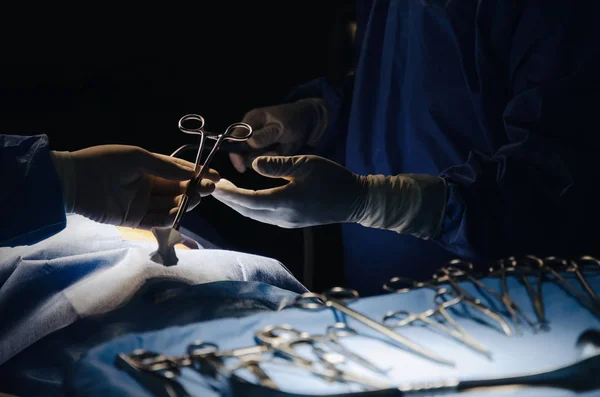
(399, 315)
(191, 117)
(201, 349)
(340, 330)
(303, 301)
(228, 134)
(402, 285)
(274, 334)
(342, 294)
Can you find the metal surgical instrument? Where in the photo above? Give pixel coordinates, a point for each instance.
(201, 170)
(333, 299)
(340, 330)
(329, 362)
(549, 265)
(576, 266)
(447, 275)
(286, 333)
(284, 339)
(513, 310)
(402, 317)
(530, 264)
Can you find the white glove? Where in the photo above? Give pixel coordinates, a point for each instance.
(282, 130)
(126, 185)
(322, 192)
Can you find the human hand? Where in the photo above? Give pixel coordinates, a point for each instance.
(127, 185)
(319, 192)
(282, 130)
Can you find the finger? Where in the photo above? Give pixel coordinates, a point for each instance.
(250, 158)
(238, 162)
(158, 219)
(279, 166)
(205, 187)
(211, 175)
(266, 199)
(265, 136)
(165, 187)
(264, 216)
(178, 160)
(164, 167)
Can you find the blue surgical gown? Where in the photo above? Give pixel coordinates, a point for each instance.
(31, 198)
(495, 96)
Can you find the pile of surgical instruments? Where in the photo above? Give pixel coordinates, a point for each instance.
(324, 355)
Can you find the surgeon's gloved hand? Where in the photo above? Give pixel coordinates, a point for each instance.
(126, 185)
(322, 192)
(282, 130)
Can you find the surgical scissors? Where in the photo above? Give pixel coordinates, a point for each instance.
(531, 264)
(576, 266)
(551, 264)
(329, 361)
(462, 268)
(271, 336)
(404, 317)
(448, 274)
(333, 299)
(513, 310)
(201, 170)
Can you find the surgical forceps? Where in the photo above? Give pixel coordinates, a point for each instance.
(448, 275)
(549, 264)
(248, 357)
(577, 266)
(461, 268)
(284, 339)
(333, 299)
(204, 357)
(513, 310)
(525, 265)
(403, 317)
(156, 383)
(271, 335)
(201, 170)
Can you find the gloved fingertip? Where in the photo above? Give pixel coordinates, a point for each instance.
(238, 162)
(206, 187)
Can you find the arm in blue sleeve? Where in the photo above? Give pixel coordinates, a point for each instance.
(31, 196)
(537, 194)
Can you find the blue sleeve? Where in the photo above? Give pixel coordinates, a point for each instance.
(537, 194)
(31, 195)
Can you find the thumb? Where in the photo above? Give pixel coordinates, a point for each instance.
(278, 166)
(165, 167)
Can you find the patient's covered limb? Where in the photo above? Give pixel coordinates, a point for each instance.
(88, 270)
(167, 238)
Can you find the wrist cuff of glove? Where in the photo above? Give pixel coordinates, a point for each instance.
(408, 203)
(321, 119)
(66, 173)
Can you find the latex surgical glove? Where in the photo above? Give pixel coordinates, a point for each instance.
(282, 130)
(126, 185)
(320, 191)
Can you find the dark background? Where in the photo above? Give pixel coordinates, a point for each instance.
(100, 76)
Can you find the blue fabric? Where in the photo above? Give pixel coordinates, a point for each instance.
(86, 271)
(522, 353)
(31, 196)
(496, 96)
